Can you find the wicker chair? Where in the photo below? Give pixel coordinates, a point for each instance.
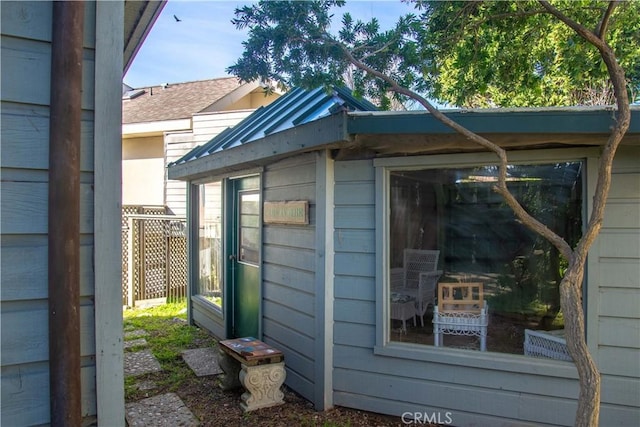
(419, 278)
(550, 344)
(461, 310)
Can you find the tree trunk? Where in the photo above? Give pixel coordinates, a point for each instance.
(554, 298)
(588, 412)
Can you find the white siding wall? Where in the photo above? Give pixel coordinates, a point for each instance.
(26, 63)
(288, 273)
(176, 145)
(205, 128)
(490, 389)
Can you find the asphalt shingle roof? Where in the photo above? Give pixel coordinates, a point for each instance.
(175, 100)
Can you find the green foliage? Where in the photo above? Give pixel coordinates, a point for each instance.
(289, 42)
(503, 53)
(515, 54)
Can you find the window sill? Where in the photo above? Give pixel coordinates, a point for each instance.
(215, 309)
(480, 360)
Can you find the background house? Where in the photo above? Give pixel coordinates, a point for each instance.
(317, 284)
(162, 123)
(113, 32)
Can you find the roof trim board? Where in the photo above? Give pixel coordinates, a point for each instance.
(386, 132)
(134, 130)
(231, 98)
(558, 120)
(319, 134)
(139, 19)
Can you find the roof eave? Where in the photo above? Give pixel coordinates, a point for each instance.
(139, 17)
(395, 133)
(507, 121)
(230, 98)
(319, 134)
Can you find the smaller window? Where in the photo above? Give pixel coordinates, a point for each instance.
(249, 234)
(210, 243)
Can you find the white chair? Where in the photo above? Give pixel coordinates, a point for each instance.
(461, 310)
(403, 307)
(550, 344)
(419, 278)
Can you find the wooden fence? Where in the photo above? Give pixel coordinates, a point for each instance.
(154, 255)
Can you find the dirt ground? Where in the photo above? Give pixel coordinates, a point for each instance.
(167, 335)
(215, 407)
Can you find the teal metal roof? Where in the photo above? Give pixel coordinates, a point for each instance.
(297, 107)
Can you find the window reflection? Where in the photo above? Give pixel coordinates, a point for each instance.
(455, 212)
(249, 239)
(210, 243)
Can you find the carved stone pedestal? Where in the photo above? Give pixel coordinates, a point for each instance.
(231, 368)
(258, 367)
(262, 383)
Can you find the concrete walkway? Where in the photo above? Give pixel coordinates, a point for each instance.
(163, 409)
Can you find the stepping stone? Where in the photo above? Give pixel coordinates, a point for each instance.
(135, 343)
(160, 411)
(140, 362)
(146, 385)
(202, 361)
(135, 334)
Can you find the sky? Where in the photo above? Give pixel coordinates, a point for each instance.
(205, 42)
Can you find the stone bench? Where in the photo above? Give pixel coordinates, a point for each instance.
(257, 367)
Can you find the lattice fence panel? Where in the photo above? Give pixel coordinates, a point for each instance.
(154, 254)
(125, 262)
(136, 258)
(177, 260)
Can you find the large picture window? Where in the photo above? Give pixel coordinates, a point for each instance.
(210, 243)
(447, 226)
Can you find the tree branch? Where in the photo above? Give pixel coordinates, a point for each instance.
(501, 188)
(579, 29)
(623, 119)
(604, 23)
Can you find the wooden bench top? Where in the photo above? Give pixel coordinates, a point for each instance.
(251, 351)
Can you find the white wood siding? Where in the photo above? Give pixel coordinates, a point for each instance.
(176, 145)
(288, 273)
(205, 127)
(26, 63)
(485, 389)
(208, 125)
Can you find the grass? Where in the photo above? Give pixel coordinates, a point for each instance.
(168, 335)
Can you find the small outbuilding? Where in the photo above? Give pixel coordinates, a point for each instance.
(370, 248)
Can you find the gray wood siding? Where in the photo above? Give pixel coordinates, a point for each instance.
(288, 273)
(618, 293)
(26, 63)
(478, 389)
(207, 317)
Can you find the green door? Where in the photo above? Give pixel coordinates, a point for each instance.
(245, 257)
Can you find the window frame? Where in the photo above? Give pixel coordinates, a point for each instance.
(200, 186)
(489, 360)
